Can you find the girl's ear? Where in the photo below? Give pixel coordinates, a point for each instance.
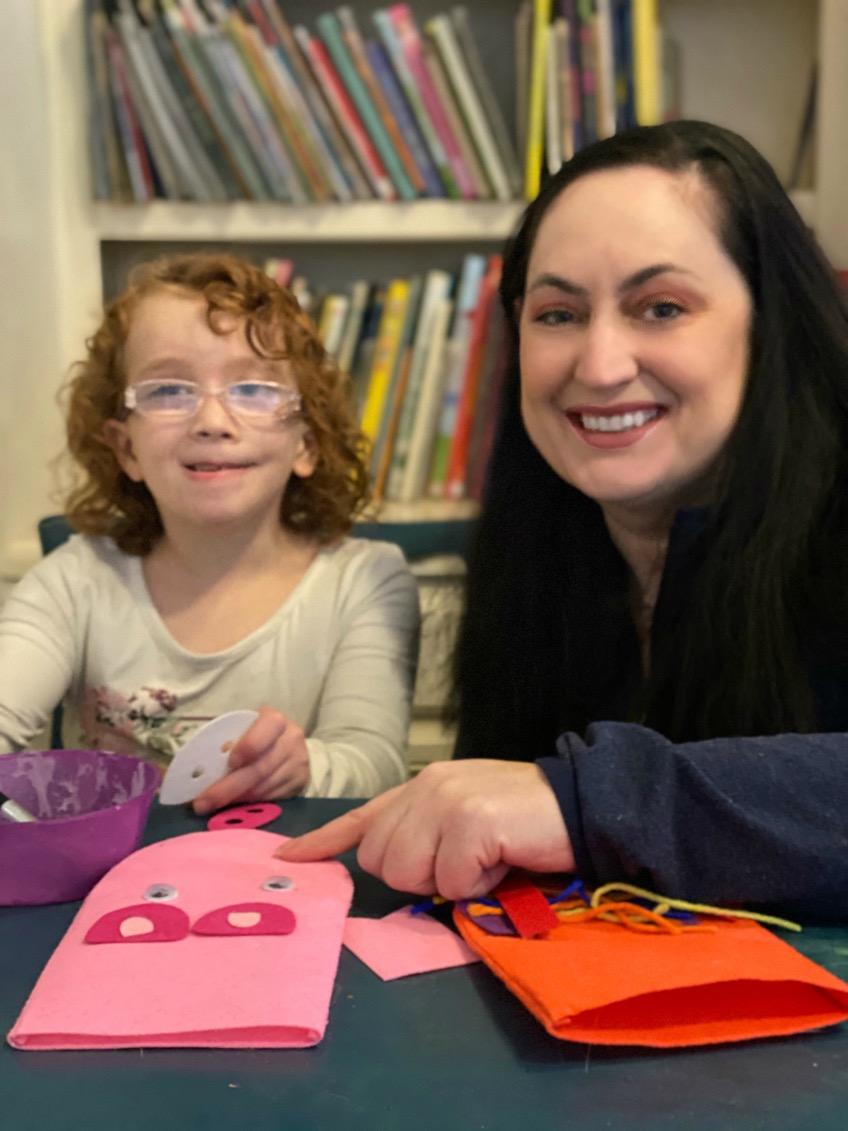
(306, 457)
(117, 436)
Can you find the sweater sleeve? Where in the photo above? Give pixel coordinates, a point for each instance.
(37, 650)
(754, 821)
(358, 746)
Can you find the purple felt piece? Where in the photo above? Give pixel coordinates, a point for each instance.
(91, 807)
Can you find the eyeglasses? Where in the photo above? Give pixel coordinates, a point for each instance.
(173, 400)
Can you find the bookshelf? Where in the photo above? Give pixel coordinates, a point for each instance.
(744, 64)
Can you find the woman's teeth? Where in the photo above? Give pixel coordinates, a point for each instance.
(618, 423)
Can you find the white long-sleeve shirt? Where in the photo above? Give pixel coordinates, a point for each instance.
(337, 657)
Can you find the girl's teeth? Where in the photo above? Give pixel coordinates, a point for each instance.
(618, 423)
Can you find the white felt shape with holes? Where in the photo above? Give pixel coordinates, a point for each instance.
(204, 758)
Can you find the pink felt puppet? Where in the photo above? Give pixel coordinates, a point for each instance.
(202, 940)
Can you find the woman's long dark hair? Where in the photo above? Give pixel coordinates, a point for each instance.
(548, 643)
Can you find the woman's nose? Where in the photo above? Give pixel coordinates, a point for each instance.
(607, 354)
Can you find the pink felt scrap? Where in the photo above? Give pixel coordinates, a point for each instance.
(402, 944)
(237, 989)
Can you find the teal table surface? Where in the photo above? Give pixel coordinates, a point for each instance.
(447, 1050)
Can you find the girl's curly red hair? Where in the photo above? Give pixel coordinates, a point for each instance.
(103, 500)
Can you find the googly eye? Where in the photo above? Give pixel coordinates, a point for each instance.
(278, 883)
(161, 893)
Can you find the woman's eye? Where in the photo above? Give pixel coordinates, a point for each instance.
(558, 317)
(661, 310)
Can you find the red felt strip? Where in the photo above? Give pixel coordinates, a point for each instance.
(166, 924)
(528, 910)
(246, 919)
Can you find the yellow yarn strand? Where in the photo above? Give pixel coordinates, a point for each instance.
(664, 903)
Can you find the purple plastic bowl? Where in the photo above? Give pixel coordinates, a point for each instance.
(91, 808)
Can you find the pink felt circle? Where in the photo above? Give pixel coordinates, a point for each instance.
(251, 816)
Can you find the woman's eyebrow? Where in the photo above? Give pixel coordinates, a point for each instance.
(547, 279)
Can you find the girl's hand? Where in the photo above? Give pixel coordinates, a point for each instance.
(271, 759)
(455, 830)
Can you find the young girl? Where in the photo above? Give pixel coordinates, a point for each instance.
(219, 470)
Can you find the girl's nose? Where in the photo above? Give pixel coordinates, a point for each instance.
(213, 418)
(607, 355)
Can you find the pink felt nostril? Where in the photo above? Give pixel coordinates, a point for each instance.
(252, 816)
(246, 919)
(142, 922)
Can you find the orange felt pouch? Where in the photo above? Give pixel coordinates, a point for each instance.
(600, 983)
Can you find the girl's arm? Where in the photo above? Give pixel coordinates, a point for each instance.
(740, 820)
(36, 655)
(358, 745)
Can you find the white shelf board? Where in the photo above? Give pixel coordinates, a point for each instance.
(241, 221)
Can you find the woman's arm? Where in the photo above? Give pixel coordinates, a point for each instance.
(740, 820)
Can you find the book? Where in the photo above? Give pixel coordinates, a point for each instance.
(330, 31)
(363, 357)
(442, 31)
(332, 321)
(382, 453)
(487, 416)
(109, 171)
(605, 69)
(409, 38)
(391, 43)
(359, 293)
(467, 294)
(345, 113)
(586, 37)
(622, 45)
(386, 350)
(422, 438)
(506, 149)
(271, 85)
(361, 61)
(203, 82)
(560, 38)
(135, 152)
(646, 67)
(457, 459)
(197, 176)
(523, 31)
(575, 88)
(437, 286)
(338, 153)
(553, 98)
(388, 80)
(195, 116)
(434, 65)
(536, 99)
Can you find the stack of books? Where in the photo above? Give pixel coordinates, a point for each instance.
(219, 100)
(426, 355)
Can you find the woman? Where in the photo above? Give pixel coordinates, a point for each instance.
(662, 545)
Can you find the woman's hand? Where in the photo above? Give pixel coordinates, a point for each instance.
(455, 830)
(271, 759)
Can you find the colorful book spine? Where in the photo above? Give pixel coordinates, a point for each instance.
(453, 116)
(390, 417)
(536, 99)
(571, 17)
(385, 76)
(605, 68)
(346, 115)
(423, 437)
(338, 152)
(391, 42)
(132, 141)
(328, 26)
(646, 68)
(359, 293)
(437, 286)
(442, 32)
(410, 41)
(385, 356)
(361, 61)
(588, 69)
(457, 461)
(505, 145)
(468, 292)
